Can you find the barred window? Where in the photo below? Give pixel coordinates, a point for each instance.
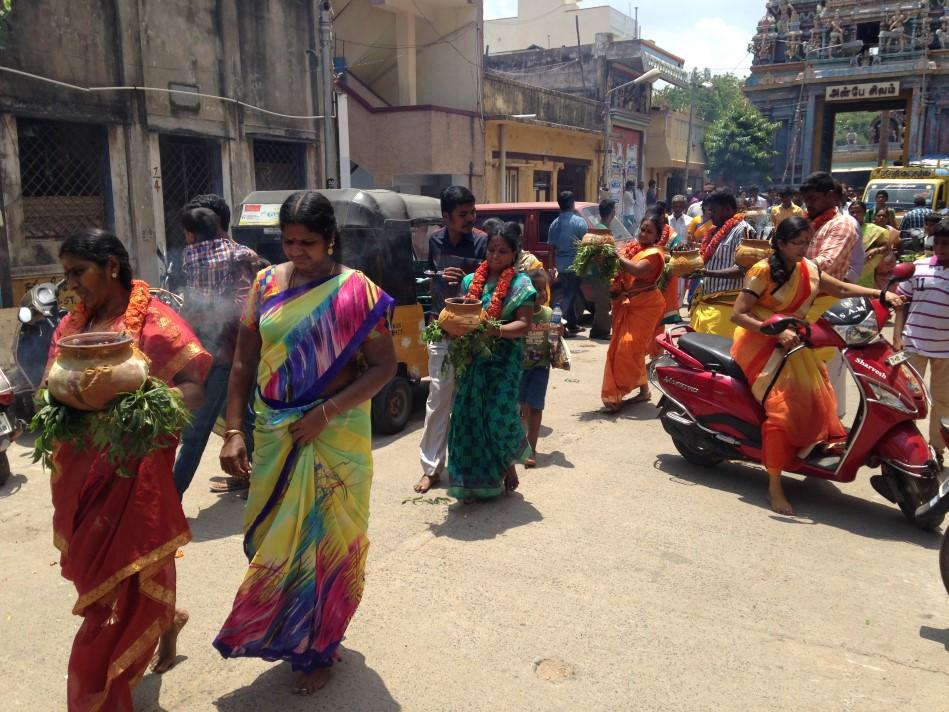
(63, 177)
(187, 169)
(278, 165)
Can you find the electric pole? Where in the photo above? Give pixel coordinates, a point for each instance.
(330, 159)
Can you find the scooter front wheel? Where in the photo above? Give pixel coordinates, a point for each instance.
(914, 492)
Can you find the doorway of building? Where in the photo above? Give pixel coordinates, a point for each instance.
(189, 167)
(854, 137)
(573, 177)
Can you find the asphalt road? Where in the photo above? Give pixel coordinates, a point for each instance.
(618, 577)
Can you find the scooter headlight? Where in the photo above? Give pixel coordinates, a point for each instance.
(859, 334)
(889, 397)
(25, 315)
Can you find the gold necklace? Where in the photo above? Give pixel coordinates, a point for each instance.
(293, 275)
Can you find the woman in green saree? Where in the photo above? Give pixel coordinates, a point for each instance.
(486, 437)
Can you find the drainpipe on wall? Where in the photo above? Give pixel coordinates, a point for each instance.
(502, 163)
(342, 122)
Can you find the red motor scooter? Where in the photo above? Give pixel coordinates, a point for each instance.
(709, 411)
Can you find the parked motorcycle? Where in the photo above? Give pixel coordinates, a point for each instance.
(14, 392)
(709, 411)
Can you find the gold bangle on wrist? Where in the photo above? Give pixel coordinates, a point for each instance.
(232, 431)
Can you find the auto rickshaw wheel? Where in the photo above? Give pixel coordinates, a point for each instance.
(392, 406)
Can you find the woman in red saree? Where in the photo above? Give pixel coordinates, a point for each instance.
(799, 403)
(118, 535)
(637, 309)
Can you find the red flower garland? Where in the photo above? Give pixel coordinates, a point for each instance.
(134, 317)
(824, 218)
(711, 241)
(500, 291)
(666, 234)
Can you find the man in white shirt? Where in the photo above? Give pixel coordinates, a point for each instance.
(679, 220)
(757, 202)
(629, 205)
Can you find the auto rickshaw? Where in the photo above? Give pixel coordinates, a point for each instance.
(377, 229)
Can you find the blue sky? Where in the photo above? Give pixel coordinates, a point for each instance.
(705, 34)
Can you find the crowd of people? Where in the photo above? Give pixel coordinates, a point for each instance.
(293, 353)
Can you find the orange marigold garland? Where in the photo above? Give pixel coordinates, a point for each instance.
(500, 291)
(134, 317)
(623, 281)
(711, 241)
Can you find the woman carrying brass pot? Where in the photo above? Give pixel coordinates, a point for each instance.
(117, 534)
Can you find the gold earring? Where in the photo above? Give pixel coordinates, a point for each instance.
(330, 250)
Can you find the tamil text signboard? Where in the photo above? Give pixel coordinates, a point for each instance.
(869, 90)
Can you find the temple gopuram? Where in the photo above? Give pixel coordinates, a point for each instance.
(816, 60)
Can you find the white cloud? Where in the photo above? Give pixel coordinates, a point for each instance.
(708, 42)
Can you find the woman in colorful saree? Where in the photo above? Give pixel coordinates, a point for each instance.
(800, 406)
(879, 248)
(118, 535)
(486, 437)
(314, 341)
(638, 306)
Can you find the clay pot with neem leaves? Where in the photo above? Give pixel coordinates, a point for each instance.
(91, 370)
(460, 316)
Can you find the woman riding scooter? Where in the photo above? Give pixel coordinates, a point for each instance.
(800, 406)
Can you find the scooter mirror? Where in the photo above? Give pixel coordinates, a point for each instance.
(776, 324)
(903, 271)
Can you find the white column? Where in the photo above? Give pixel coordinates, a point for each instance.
(405, 40)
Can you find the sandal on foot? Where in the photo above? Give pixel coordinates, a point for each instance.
(230, 484)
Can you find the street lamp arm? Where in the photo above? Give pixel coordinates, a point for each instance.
(650, 76)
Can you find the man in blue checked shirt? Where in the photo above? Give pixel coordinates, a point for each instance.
(564, 237)
(915, 219)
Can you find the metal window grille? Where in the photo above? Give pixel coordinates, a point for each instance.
(62, 177)
(278, 165)
(187, 170)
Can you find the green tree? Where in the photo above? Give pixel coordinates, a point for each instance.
(740, 144)
(711, 103)
(6, 9)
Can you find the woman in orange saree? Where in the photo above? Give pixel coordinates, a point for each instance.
(118, 535)
(798, 399)
(637, 309)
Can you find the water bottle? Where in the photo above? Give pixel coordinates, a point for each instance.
(553, 334)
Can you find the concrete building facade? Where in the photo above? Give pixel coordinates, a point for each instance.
(555, 23)
(410, 72)
(668, 137)
(539, 142)
(113, 114)
(601, 73)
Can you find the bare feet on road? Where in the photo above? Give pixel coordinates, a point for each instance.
(310, 682)
(165, 659)
(779, 503)
(425, 483)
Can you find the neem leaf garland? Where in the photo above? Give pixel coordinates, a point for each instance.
(463, 350)
(132, 427)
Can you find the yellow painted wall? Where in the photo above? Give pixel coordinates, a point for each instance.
(540, 141)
